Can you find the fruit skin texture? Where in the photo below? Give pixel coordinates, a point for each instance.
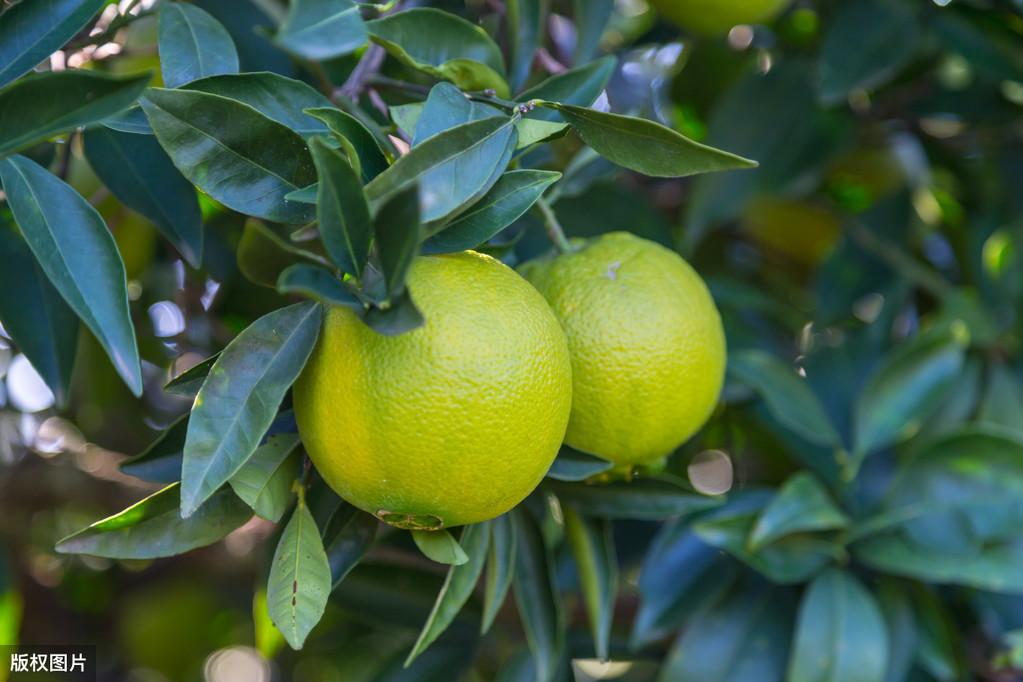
(452, 423)
(716, 17)
(646, 341)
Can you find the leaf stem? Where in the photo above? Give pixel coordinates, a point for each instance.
(554, 230)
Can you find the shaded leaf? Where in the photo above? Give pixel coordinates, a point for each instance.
(130, 120)
(440, 546)
(525, 22)
(161, 461)
(591, 18)
(397, 230)
(32, 31)
(500, 568)
(151, 528)
(341, 209)
(263, 255)
(400, 317)
(322, 29)
(372, 155)
(537, 597)
(347, 536)
(264, 481)
(572, 465)
(593, 548)
(644, 498)
(240, 397)
(446, 107)
(318, 284)
(189, 382)
(193, 45)
(801, 504)
(79, 256)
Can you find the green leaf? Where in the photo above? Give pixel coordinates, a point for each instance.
(263, 255)
(442, 45)
(372, 155)
(572, 465)
(580, 86)
(787, 395)
(341, 209)
(537, 597)
(32, 31)
(645, 146)
(264, 481)
(347, 536)
(440, 546)
(232, 152)
(397, 229)
(318, 284)
(1003, 399)
(593, 548)
(525, 25)
(868, 43)
(400, 317)
(453, 169)
(300, 582)
(645, 498)
(840, 633)
(130, 120)
(33, 313)
(189, 382)
(900, 623)
(193, 45)
(591, 18)
(278, 98)
(161, 461)
(240, 397)
(507, 201)
(322, 29)
(151, 528)
(42, 105)
(908, 386)
(446, 107)
(139, 173)
(458, 587)
(500, 568)
(800, 505)
(79, 256)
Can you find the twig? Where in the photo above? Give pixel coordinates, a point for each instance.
(371, 61)
(554, 230)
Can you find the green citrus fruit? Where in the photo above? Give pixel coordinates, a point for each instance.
(452, 423)
(715, 17)
(646, 342)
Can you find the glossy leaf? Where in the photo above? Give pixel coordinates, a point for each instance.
(500, 568)
(189, 382)
(800, 505)
(264, 481)
(372, 155)
(318, 284)
(232, 152)
(130, 120)
(42, 105)
(341, 209)
(397, 229)
(452, 169)
(161, 461)
(444, 46)
(572, 465)
(347, 537)
(322, 29)
(400, 317)
(300, 581)
(264, 255)
(525, 22)
(645, 146)
(193, 45)
(446, 107)
(240, 397)
(537, 597)
(79, 256)
(507, 201)
(840, 633)
(788, 397)
(458, 587)
(151, 528)
(33, 313)
(580, 86)
(32, 31)
(440, 546)
(648, 499)
(141, 175)
(593, 548)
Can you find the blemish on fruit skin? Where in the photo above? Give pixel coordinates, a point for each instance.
(612, 270)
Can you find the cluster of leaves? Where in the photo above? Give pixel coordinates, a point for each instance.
(879, 526)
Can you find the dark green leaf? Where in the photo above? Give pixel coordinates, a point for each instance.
(322, 29)
(443, 45)
(400, 317)
(372, 155)
(193, 45)
(840, 633)
(507, 201)
(299, 583)
(645, 146)
(594, 552)
(458, 587)
(500, 568)
(537, 597)
(572, 465)
(140, 174)
(525, 22)
(440, 546)
(580, 86)
(151, 528)
(787, 395)
(240, 397)
(264, 481)
(868, 43)
(397, 229)
(452, 169)
(79, 256)
(276, 97)
(42, 105)
(131, 120)
(446, 107)
(591, 18)
(35, 316)
(232, 152)
(250, 23)
(900, 623)
(348, 535)
(263, 255)
(644, 498)
(32, 31)
(801, 505)
(161, 461)
(189, 382)
(341, 209)
(318, 284)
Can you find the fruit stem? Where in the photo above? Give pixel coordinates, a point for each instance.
(553, 227)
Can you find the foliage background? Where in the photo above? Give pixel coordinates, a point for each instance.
(869, 434)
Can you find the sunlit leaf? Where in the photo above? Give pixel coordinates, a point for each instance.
(440, 546)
